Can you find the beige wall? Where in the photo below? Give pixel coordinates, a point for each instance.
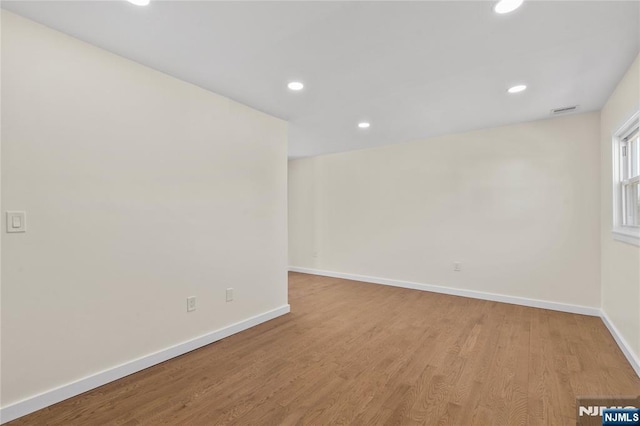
(620, 261)
(517, 205)
(140, 190)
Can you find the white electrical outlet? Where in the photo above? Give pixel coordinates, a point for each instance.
(229, 294)
(457, 266)
(16, 222)
(191, 304)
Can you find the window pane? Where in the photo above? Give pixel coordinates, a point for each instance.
(631, 204)
(634, 157)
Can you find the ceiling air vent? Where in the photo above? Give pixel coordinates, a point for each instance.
(564, 110)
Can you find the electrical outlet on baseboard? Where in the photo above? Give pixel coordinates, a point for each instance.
(457, 266)
(230, 295)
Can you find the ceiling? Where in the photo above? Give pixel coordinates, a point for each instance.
(413, 69)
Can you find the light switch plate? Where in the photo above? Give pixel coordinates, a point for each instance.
(16, 222)
(230, 295)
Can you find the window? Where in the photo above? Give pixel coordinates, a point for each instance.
(626, 182)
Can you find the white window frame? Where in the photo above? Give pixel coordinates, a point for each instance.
(621, 232)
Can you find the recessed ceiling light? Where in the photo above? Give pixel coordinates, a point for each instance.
(295, 85)
(139, 2)
(506, 6)
(364, 125)
(517, 89)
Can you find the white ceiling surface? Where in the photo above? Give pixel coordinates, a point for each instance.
(413, 69)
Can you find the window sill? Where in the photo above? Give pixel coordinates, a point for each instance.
(627, 235)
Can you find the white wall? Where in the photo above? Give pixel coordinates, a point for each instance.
(620, 261)
(140, 190)
(517, 205)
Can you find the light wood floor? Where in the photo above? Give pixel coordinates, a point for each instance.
(356, 353)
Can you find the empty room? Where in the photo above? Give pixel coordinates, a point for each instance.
(320, 212)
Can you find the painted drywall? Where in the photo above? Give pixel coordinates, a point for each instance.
(518, 206)
(140, 190)
(620, 263)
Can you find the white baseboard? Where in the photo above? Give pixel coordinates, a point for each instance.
(632, 357)
(61, 393)
(535, 303)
